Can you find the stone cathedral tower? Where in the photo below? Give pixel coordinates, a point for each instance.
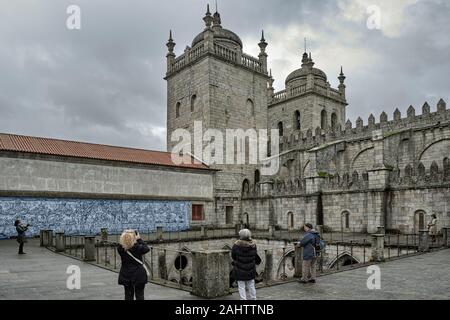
(308, 103)
(216, 83)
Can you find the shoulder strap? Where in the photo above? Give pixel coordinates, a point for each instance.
(136, 259)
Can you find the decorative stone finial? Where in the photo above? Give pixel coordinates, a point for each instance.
(208, 18)
(170, 43)
(341, 76)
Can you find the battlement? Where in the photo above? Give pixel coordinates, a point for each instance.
(418, 175)
(410, 176)
(322, 138)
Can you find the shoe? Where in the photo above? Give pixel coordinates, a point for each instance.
(302, 281)
(312, 281)
(22, 253)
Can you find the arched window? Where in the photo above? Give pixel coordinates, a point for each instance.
(345, 220)
(297, 123)
(290, 217)
(333, 120)
(193, 98)
(177, 110)
(280, 128)
(257, 176)
(250, 107)
(323, 120)
(245, 186)
(419, 221)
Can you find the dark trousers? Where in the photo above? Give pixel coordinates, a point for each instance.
(132, 291)
(21, 247)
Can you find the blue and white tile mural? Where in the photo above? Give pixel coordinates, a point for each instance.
(86, 216)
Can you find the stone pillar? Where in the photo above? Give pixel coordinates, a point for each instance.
(211, 273)
(47, 238)
(50, 238)
(41, 238)
(314, 179)
(446, 236)
(89, 248)
(159, 233)
(380, 230)
(298, 254)
(60, 242)
(424, 240)
(203, 232)
(104, 234)
(162, 265)
(378, 181)
(268, 268)
(377, 247)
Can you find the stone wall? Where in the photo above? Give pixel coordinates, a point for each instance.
(85, 195)
(71, 177)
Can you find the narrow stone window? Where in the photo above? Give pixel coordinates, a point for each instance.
(177, 110)
(229, 215)
(333, 120)
(323, 120)
(345, 220)
(250, 107)
(280, 128)
(193, 99)
(297, 123)
(257, 176)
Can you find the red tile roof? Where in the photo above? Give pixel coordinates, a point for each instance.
(46, 146)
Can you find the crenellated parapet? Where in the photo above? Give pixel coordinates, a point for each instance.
(346, 181)
(420, 175)
(276, 187)
(360, 131)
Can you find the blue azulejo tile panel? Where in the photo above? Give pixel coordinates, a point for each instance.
(87, 216)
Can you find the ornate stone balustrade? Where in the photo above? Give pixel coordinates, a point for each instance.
(223, 52)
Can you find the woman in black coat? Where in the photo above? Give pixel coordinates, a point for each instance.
(132, 275)
(21, 228)
(245, 258)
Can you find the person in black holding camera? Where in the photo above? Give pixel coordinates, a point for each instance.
(133, 273)
(21, 228)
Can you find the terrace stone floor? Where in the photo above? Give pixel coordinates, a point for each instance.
(41, 274)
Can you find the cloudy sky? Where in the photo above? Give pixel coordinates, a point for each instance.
(104, 83)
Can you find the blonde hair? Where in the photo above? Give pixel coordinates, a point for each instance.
(128, 239)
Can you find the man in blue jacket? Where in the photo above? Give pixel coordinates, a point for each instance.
(310, 255)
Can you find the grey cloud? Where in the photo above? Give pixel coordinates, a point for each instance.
(105, 83)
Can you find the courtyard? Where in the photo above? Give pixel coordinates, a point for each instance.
(41, 275)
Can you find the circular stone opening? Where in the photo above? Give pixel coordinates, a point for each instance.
(181, 262)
